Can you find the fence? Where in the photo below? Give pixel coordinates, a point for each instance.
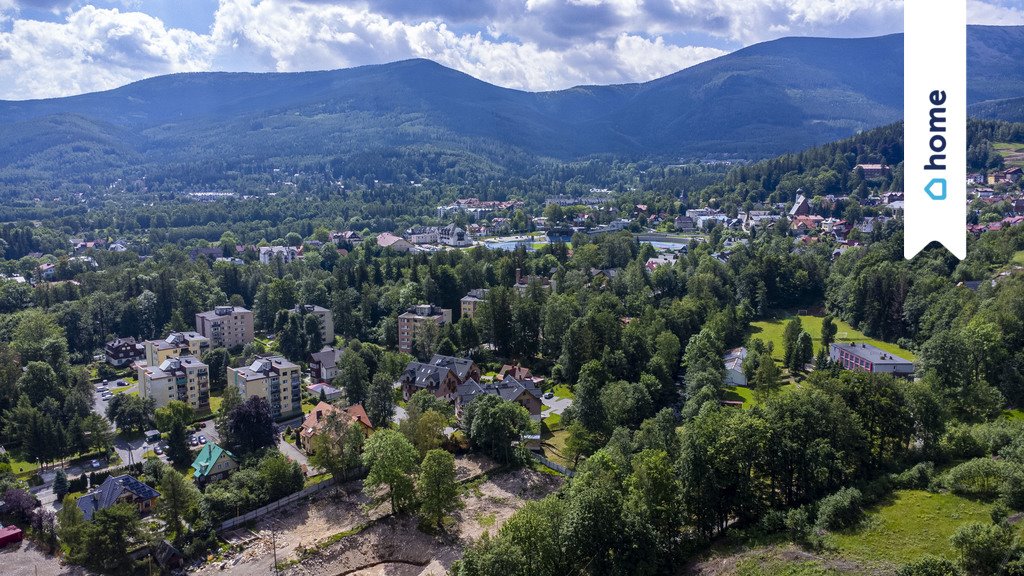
(553, 465)
(288, 500)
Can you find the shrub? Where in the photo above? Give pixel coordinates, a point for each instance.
(773, 522)
(982, 548)
(840, 510)
(928, 565)
(1012, 488)
(958, 443)
(918, 477)
(79, 484)
(997, 435)
(980, 477)
(798, 524)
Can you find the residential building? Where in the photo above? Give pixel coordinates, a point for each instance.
(227, 326)
(184, 378)
(685, 224)
(441, 376)
(471, 301)
(118, 490)
(121, 352)
(176, 344)
(316, 419)
(803, 225)
(47, 271)
(667, 259)
(323, 365)
(397, 243)
(330, 393)
(286, 253)
(322, 314)
(452, 235)
(868, 358)
(802, 207)
(410, 321)
(274, 379)
(524, 282)
(213, 463)
(874, 171)
(422, 235)
(733, 361)
(523, 392)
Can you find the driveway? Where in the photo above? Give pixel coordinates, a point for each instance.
(555, 405)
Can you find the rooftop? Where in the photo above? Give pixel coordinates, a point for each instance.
(872, 354)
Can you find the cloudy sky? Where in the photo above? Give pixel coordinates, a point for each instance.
(61, 47)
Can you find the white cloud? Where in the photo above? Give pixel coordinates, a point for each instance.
(528, 44)
(93, 49)
(994, 14)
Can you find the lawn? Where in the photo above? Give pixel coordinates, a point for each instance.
(554, 422)
(772, 330)
(563, 391)
(1018, 257)
(913, 524)
(215, 402)
(554, 445)
(741, 394)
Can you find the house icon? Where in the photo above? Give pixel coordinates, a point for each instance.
(936, 189)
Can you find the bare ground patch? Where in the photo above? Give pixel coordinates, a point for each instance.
(396, 546)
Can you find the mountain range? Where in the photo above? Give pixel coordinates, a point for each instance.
(766, 99)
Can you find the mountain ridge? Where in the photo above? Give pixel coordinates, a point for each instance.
(762, 100)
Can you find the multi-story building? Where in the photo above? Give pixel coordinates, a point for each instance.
(868, 358)
(273, 378)
(176, 344)
(123, 351)
(184, 378)
(471, 301)
(227, 326)
(410, 321)
(323, 365)
(286, 253)
(323, 315)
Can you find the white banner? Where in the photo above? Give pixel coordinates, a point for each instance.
(935, 125)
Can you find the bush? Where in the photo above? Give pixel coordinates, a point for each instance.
(918, 477)
(929, 566)
(980, 477)
(997, 435)
(840, 510)
(798, 524)
(982, 548)
(773, 522)
(958, 443)
(1012, 489)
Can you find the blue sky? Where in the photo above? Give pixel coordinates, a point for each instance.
(62, 47)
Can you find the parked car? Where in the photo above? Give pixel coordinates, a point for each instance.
(95, 464)
(120, 383)
(158, 450)
(106, 397)
(102, 388)
(549, 395)
(202, 439)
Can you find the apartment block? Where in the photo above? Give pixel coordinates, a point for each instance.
(227, 326)
(326, 320)
(868, 358)
(176, 344)
(183, 378)
(471, 301)
(410, 321)
(273, 378)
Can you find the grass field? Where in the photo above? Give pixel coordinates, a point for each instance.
(1012, 153)
(772, 330)
(913, 524)
(562, 391)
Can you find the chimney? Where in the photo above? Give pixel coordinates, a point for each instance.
(319, 415)
(519, 274)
